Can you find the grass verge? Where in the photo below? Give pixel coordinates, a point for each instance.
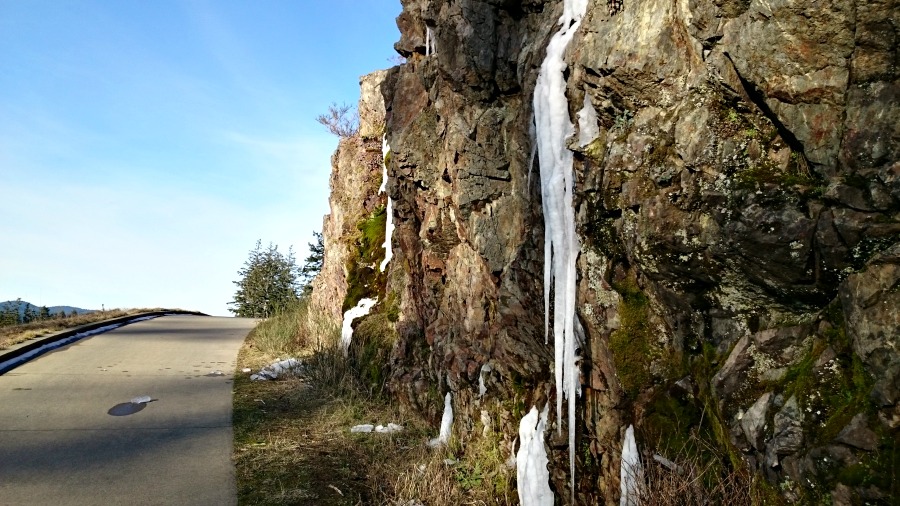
(292, 439)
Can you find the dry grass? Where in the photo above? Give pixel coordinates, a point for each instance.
(16, 334)
(293, 443)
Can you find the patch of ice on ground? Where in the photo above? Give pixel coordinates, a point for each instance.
(389, 428)
(366, 427)
(446, 424)
(278, 369)
(532, 475)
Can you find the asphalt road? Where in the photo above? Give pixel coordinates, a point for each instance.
(60, 444)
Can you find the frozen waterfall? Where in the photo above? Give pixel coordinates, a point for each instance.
(561, 245)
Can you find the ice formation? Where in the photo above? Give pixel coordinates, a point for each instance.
(385, 151)
(532, 475)
(561, 245)
(141, 399)
(361, 309)
(366, 427)
(277, 369)
(630, 471)
(446, 423)
(388, 232)
(588, 128)
(389, 229)
(485, 370)
(389, 428)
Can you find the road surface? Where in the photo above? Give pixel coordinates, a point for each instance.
(70, 436)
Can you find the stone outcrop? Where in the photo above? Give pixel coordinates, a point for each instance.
(738, 205)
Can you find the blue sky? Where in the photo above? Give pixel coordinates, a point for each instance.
(146, 146)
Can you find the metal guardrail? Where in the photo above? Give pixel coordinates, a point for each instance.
(9, 359)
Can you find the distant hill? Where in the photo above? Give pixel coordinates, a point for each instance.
(53, 309)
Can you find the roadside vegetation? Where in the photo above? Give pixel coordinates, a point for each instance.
(292, 439)
(15, 334)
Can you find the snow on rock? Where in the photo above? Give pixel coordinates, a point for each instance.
(631, 470)
(532, 475)
(561, 245)
(388, 232)
(361, 309)
(277, 369)
(446, 424)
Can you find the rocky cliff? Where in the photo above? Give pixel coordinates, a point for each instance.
(736, 199)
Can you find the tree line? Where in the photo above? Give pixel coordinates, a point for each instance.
(271, 281)
(11, 313)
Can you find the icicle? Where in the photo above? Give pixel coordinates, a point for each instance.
(631, 470)
(532, 475)
(361, 309)
(388, 232)
(561, 245)
(446, 424)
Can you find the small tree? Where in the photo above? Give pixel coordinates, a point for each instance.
(268, 284)
(341, 120)
(313, 263)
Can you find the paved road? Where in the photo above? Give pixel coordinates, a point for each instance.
(60, 446)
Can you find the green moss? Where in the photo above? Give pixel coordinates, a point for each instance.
(766, 172)
(630, 345)
(364, 278)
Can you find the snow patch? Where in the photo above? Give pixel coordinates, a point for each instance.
(362, 308)
(553, 127)
(631, 470)
(277, 369)
(532, 475)
(366, 427)
(388, 429)
(141, 399)
(385, 151)
(446, 424)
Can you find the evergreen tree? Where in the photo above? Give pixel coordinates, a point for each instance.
(44, 314)
(268, 283)
(29, 314)
(313, 263)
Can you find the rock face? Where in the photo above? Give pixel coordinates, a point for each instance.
(738, 205)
